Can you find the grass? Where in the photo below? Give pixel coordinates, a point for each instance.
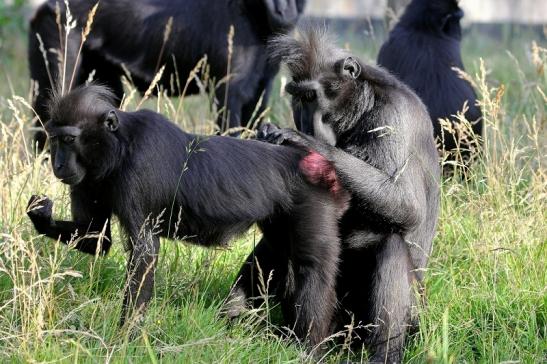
(486, 281)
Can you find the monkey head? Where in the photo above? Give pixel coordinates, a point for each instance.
(329, 89)
(438, 17)
(83, 135)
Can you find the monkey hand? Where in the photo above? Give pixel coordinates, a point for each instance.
(272, 134)
(39, 210)
(264, 131)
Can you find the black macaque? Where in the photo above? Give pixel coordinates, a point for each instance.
(378, 136)
(131, 33)
(421, 51)
(162, 182)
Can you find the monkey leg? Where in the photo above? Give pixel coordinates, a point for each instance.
(391, 300)
(255, 107)
(241, 95)
(310, 297)
(90, 220)
(263, 272)
(140, 276)
(231, 100)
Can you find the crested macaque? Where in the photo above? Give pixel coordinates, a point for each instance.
(378, 136)
(163, 182)
(422, 51)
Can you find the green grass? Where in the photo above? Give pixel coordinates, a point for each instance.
(486, 281)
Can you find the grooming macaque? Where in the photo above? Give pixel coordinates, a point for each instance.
(378, 136)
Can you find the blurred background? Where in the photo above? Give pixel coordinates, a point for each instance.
(483, 11)
(491, 30)
(520, 12)
(500, 19)
(364, 23)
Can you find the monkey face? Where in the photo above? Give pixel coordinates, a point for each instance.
(331, 90)
(84, 136)
(84, 150)
(320, 104)
(304, 103)
(64, 142)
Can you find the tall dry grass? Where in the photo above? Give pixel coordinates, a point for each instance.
(486, 282)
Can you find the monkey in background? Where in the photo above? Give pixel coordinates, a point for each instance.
(139, 36)
(421, 51)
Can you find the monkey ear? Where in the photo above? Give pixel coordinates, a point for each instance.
(351, 68)
(111, 121)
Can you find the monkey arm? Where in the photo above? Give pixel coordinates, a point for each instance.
(391, 197)
(88, 229)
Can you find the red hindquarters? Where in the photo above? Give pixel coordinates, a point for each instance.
(321, 172)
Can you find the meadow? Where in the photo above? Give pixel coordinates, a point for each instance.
(486, 283)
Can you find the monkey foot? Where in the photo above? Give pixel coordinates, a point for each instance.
(235, 304)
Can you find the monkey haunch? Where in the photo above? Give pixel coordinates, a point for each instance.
(161, 181)
(378, 136)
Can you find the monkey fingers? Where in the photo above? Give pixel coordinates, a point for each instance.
(288, 136)
(39, 209)
(299, 139)
(264, 130)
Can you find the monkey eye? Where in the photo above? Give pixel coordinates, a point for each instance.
(68, 139)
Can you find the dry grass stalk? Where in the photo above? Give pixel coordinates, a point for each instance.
(153, 84)
(226, 112)
(166, 34)
(85, 33)
(46, 61)
(69, 25)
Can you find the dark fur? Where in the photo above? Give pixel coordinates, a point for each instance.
(421, 51)
(378, 135)
(161, 181)
(131, 33)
